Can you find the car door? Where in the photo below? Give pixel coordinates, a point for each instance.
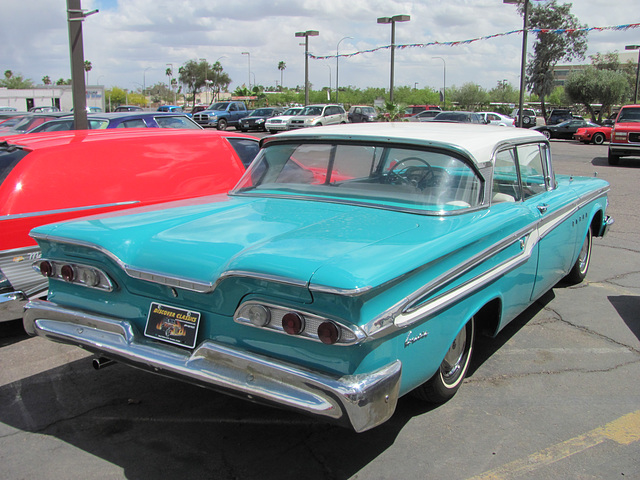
(554, 208)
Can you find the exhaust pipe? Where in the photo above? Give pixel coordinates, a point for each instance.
(102, 362)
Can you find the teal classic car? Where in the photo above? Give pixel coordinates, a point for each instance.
(350, 265)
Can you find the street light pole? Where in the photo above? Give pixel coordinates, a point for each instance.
(144, 80)
(635, 47)
(337, 58)
(306, 35)
(444, 83)
(523, 60)
(392, 21)
(249, 58)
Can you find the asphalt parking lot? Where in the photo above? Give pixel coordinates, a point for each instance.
(555, 396)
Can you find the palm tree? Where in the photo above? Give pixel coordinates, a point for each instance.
(8, 74)
(87, 68)
(46, 80)
(281, 67)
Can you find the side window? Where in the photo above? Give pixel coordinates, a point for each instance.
(232, 107)
(506, 186)
(137, 123)
(245, 148)
(530, 161)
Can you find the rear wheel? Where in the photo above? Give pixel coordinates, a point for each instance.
(598, 138)
(447, 380)
(547, 133)
(580, 268)
(613, 159)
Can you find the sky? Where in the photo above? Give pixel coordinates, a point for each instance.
(131, 42)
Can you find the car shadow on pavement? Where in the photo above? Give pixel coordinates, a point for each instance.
(486, 346)
(154, 427)
(627, 307)
(624, 162)
(12, 332)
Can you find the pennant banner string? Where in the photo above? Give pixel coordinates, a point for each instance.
(486, 37)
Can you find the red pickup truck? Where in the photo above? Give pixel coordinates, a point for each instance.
(625, 135)
(49, 177)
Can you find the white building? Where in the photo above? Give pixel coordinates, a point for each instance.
(60, 96)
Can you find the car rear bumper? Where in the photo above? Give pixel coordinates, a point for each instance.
(358, 401)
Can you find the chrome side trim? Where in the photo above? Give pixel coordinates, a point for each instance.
(66, 210)
(360, 401)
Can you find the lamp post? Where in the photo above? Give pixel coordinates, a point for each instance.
(635, 47)
(523, 60)
(392, 21)
(249, 59)
(206, 91)
(337, 58)
(306, 35)
(444, 83)
(144, 80)
(329, 94)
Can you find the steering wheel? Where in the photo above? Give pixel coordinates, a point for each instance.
(417, 175)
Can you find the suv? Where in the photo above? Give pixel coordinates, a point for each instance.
(528, 117)
(559, 115)
(625, 134)
(318, 115)
(362, 113)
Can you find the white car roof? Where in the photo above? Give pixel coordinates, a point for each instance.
(478, 141)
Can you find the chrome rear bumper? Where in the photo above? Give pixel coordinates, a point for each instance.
(358, 401)
(12, 305)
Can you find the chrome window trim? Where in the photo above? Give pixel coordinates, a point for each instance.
(66, 210)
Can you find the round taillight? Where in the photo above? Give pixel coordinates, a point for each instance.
(293, 323)
(328, 332)
(67, 273)
(46, 269)
(258, 315)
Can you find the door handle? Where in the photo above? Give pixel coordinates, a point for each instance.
(543, 208)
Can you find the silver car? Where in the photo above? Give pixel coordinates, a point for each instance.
(318, 115)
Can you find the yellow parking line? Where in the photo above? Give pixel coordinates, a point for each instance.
(624, 430)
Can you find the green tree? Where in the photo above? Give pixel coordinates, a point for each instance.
(592, 85)
(550, 47)
(281, 67)
(62, 81)
(195, 74)
(15, 81)
(87, 68)
(46, 80)
(391, 112)
(504, 92)
(470, 96)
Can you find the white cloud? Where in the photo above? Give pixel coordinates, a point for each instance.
(130, 42)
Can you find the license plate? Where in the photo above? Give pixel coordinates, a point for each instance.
(172, 324)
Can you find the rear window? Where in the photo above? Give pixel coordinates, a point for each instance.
(10, 155)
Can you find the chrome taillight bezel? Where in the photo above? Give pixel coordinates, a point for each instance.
(74, 273)
(348, 334)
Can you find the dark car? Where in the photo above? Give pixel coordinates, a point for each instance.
(257, 119)
(128, 108)
(564, 129)
(559, 115)
(30, 121)
(459, 117)
(362, 113)
(124, 120)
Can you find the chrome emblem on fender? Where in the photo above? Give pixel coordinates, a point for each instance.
(411, 340)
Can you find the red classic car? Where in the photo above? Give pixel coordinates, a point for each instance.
(49, 177)
(597, 135)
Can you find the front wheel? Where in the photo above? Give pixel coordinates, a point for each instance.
(222, 124)
(613, 159)
(447, 380)
(579, 270)
(547, 134)
(598, 138)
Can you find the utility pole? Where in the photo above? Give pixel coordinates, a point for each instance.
(75, 17)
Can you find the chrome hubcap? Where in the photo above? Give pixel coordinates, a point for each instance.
(452, 362)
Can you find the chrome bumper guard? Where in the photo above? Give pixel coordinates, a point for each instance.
(12, 305)
(360, 401)
(608, 221)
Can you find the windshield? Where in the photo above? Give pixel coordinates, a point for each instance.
(218, 106)
(629, 115)
(292, 111)
(426, 181)
(262, 112)
(312, 111)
